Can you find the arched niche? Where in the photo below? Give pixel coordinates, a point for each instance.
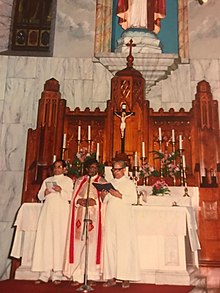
(104, 27)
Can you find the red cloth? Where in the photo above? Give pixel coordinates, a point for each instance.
(72, 226)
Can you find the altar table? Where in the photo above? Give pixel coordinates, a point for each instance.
(167, 242)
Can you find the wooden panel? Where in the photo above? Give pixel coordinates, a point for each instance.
(209, 225)
(96, 119)
(199, 128)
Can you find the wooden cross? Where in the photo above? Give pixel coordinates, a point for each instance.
(130, 58)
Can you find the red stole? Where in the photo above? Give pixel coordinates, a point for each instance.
(72, 224)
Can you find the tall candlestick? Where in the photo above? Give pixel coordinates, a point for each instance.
(64, 141)
(160, 134)
(97, 152)
(79, 132)
(135, 159)
(180, 142)
(184, 161)
(173, 135)
(89, 132)
(143, 149)
(54, 158)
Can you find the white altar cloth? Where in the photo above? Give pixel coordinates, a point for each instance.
(26, 226)
(176, 196)
(162, 235)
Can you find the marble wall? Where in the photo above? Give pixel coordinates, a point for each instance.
(83, 83)
(21, 83)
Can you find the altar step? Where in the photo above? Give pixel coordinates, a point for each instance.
(199, 281)
(205, 280)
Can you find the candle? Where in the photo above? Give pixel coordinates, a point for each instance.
(180, 142)
(135, 159)
(54, 158)
(143, 149)
(89, 132)
(160, 134)
(97, 152)
(173, 135)
(184, 161)
(79, 132)
(64, 141)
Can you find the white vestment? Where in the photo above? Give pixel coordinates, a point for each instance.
(74, 265)
(120, 245)
(137, 14)
(52, 226)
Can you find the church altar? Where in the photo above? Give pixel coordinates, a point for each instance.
(167, 238)
(177, 196)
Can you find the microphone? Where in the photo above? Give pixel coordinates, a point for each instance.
(86, 216)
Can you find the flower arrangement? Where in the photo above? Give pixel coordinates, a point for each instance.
(167, 161)
(146, 170)
(76, 167)
(168, 167)
(160, 187)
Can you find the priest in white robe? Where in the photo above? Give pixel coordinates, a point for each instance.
(120, 257)
(48, 256)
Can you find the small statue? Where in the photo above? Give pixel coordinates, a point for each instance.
(123, 117)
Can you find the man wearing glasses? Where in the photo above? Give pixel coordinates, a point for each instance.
(49, 250)
(120, 260)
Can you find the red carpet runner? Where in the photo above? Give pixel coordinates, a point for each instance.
(18, 286)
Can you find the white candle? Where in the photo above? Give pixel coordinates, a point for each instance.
(173, 135)
(180, 142)
(184, 161)
(97, 152)
(79, 132)
(160, 134)
(54, 158)
(143, 149)
(64, 141)
(89, 132)
(135, 159)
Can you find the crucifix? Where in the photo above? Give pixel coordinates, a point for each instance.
(130, 58)
(123, 115)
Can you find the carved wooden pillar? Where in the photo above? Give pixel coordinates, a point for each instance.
(206, 132)
(45, 141)
(207, 152)
(50, 120)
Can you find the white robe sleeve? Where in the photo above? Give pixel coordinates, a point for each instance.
(67, 188)
(129, 193)
(40, 194)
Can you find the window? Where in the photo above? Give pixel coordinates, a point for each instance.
(32, 25)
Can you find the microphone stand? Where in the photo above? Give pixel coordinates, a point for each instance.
(85, 287)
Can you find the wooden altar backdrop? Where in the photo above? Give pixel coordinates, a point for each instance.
(199, 128)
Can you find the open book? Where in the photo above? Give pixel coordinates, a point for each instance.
(50, 185)
(103, 186)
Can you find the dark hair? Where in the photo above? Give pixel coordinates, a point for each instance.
(89, 162)
(59, 160)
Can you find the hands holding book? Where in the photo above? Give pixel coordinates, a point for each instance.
(106, 187)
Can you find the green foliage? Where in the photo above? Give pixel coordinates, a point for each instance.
(76, 167)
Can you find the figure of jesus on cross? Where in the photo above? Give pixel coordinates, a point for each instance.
(123, 115)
